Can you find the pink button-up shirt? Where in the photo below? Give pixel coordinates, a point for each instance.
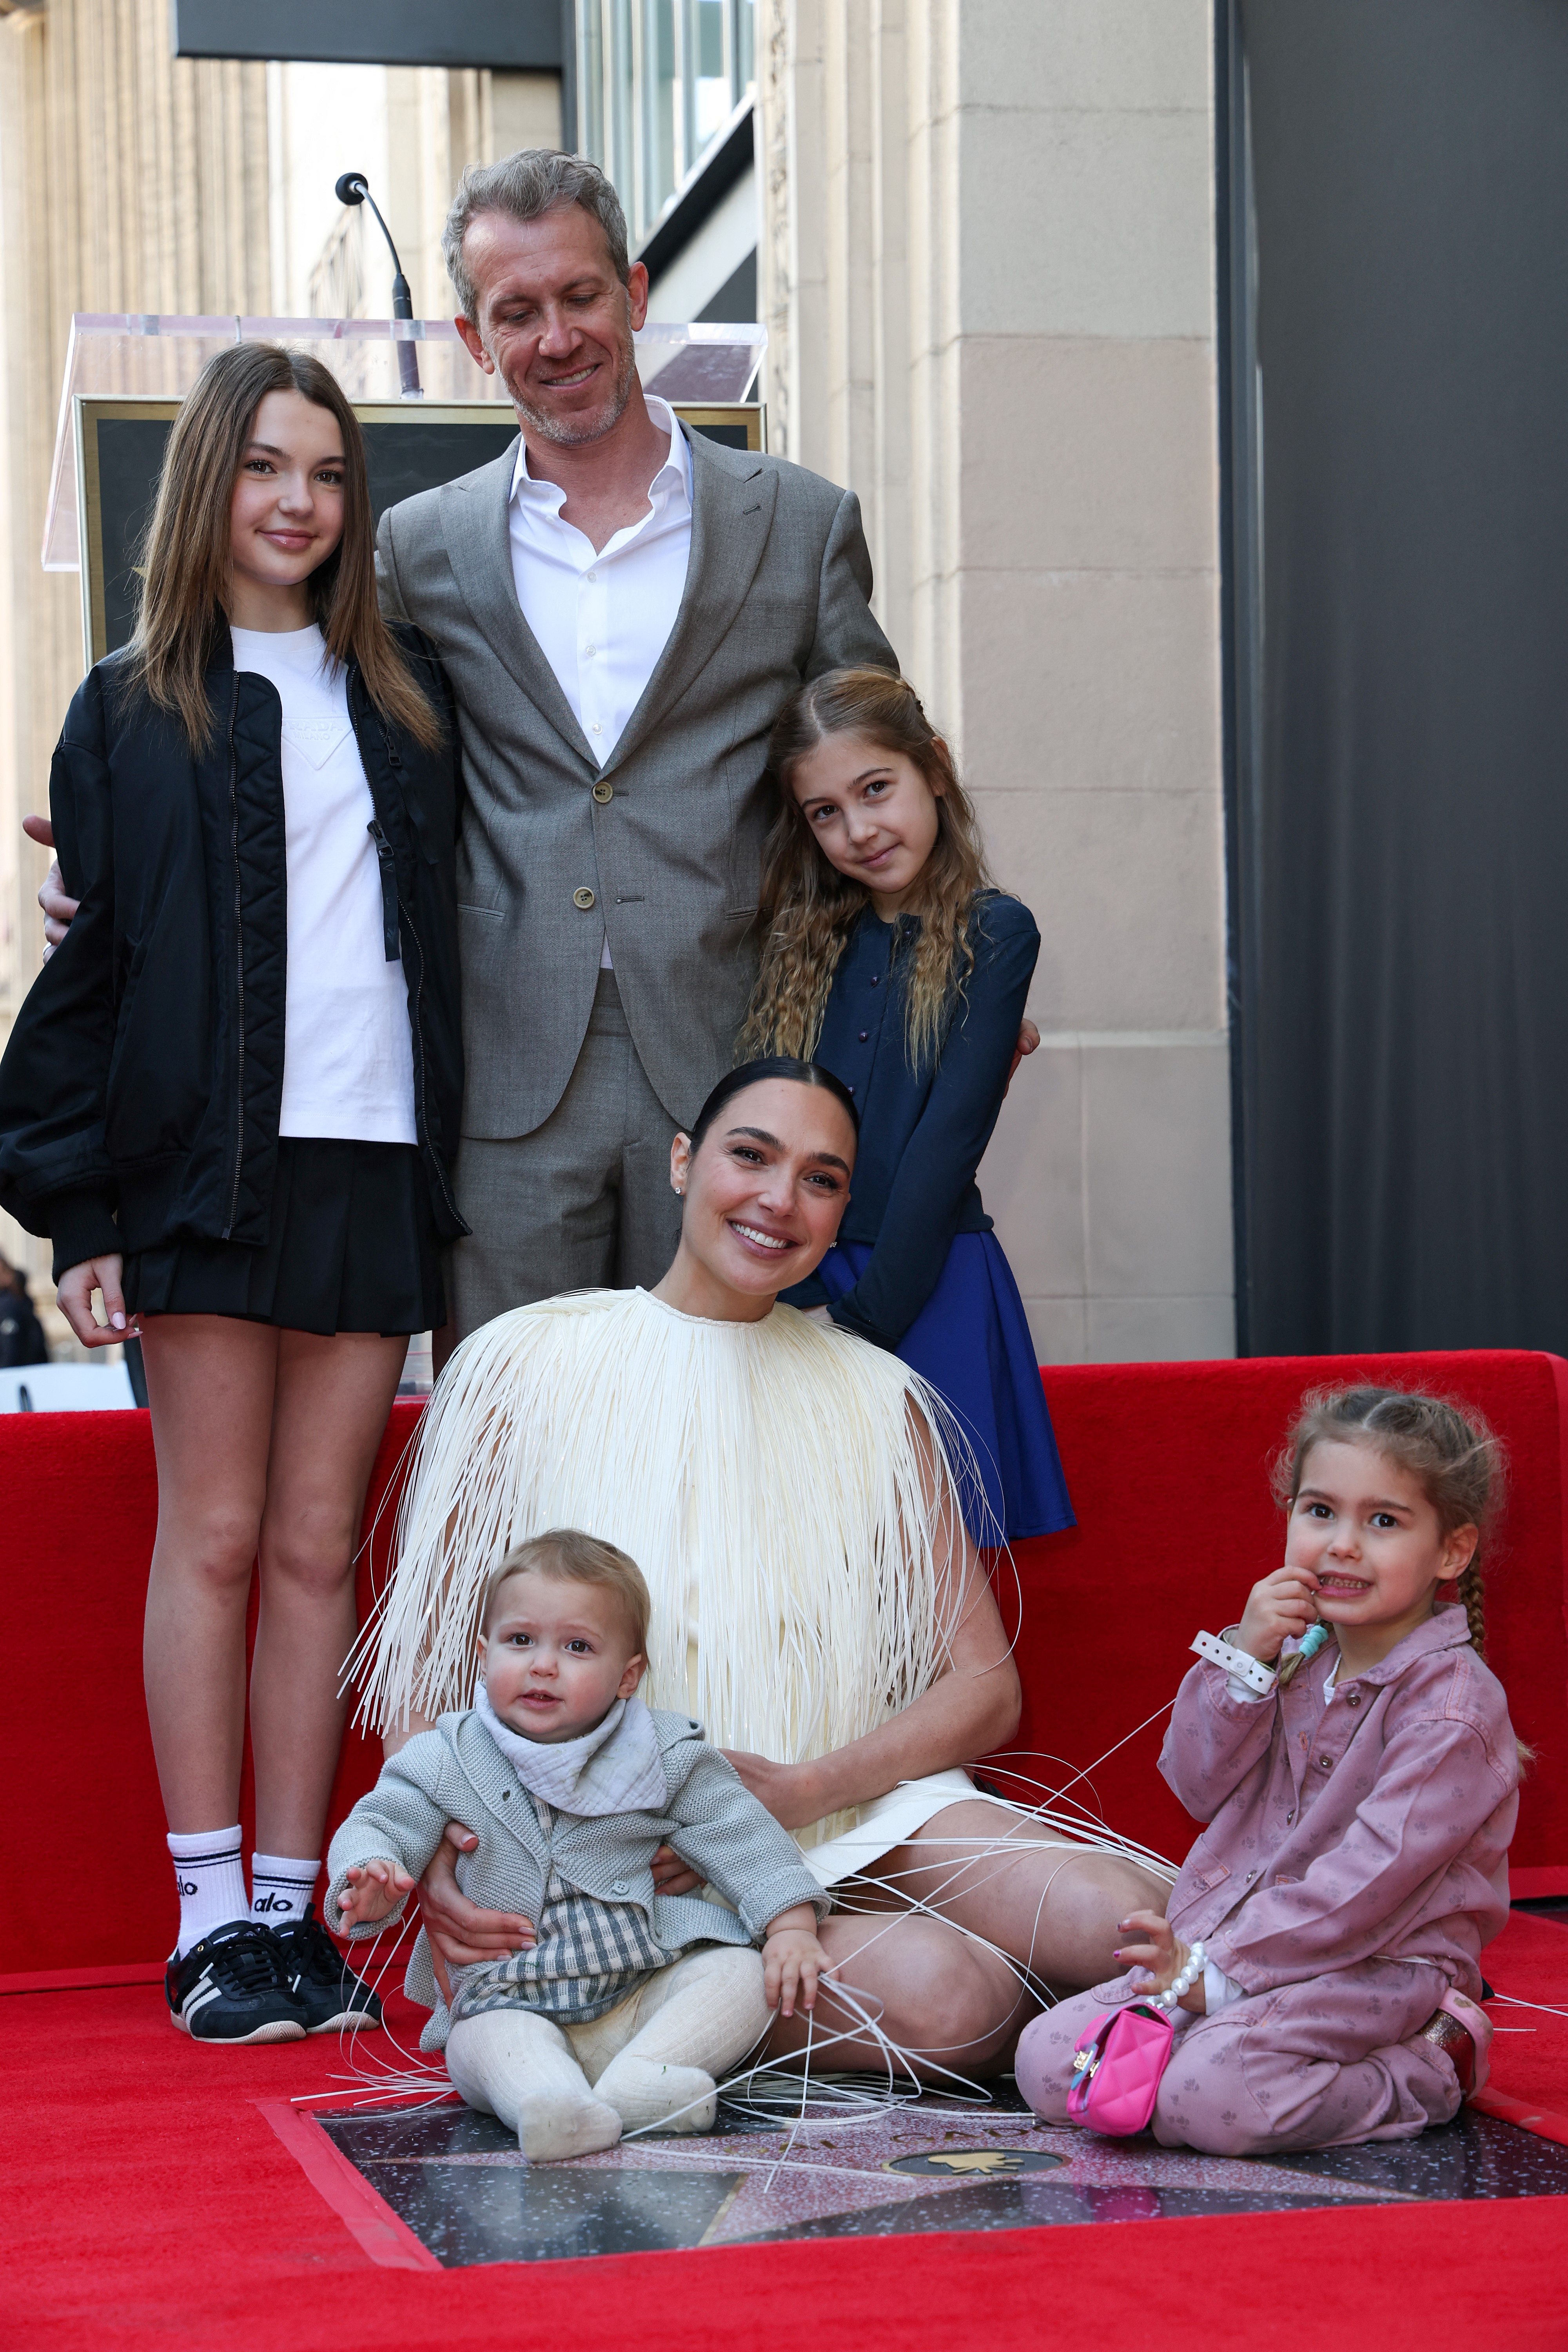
(1375, 1821)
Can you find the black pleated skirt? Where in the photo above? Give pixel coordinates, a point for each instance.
(352, 1247)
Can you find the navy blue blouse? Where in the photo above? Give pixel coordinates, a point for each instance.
(922, 1134)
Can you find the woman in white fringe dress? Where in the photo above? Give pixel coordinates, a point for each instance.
(818, 1604)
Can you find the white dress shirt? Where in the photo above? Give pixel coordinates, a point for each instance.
(601, 619)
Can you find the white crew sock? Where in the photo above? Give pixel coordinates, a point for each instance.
(280, 1888)
(210, 1880)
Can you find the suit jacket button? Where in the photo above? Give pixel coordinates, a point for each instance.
(603, 793)
(584, 898)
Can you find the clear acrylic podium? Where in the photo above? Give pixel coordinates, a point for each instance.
(143, 357)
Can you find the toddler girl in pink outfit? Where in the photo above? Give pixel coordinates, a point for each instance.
(1360, 1797)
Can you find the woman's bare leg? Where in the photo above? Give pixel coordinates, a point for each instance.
(1051, 1908)
(950, 2007)
(330, 1405)
(210, 1383)
(953, 1999)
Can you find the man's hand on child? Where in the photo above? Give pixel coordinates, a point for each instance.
(793, 1960)
(1161, 1954)
(373, 1889)
(1283, 1604)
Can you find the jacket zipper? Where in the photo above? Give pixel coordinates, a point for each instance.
(389, 898)
(433, 1158)
(395, 917)
(239, 960)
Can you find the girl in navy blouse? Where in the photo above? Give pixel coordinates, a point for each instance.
(890, 958)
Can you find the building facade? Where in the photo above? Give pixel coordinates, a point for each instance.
(981, 234)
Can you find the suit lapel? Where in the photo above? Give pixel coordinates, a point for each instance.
(732, 496)
(476, 520)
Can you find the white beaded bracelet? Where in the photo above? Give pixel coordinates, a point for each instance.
(1191, 1970)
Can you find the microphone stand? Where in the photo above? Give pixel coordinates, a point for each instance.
(353, 188)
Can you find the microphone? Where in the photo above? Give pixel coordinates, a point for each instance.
(353, 188)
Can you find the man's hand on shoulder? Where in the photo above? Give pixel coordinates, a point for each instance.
(57, 908)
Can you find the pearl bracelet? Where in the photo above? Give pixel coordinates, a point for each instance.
(1191, 1970)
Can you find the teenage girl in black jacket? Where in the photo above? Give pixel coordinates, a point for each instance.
(231, 1098)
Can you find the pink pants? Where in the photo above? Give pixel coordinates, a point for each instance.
(1326, 2063)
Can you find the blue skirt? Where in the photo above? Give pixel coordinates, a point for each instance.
(971, 1343)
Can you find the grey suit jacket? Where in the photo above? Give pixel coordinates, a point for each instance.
(776, 593)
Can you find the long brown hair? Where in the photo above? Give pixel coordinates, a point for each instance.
(806, 909)
(1454, 1455)
(184, 558)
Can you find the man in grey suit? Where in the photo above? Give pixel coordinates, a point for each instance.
(623, 608)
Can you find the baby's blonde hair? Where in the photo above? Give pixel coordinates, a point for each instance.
(570, 1557)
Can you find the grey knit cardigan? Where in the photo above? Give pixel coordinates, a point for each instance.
(456, 1773)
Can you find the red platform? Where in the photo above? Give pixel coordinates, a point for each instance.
(1168, 1468)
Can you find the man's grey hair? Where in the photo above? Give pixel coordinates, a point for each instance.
(523, 186)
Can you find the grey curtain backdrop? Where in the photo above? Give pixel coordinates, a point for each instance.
(1400, 815)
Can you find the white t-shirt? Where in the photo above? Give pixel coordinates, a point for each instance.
(348, 1050)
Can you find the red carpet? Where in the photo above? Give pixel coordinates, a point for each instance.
(1530, 2052)
(149, 2204)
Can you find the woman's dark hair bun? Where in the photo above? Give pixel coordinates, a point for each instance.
(755, 1074)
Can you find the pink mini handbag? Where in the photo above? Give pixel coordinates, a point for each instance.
(1118, 2066)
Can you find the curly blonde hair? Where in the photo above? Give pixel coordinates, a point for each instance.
(806, 909)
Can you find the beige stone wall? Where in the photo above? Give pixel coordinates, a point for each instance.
(987, 272)
(129, 181)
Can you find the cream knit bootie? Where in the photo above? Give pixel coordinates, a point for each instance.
(513, 2063)
(693, 2023)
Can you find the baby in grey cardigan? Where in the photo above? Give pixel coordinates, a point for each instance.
(572, 1784)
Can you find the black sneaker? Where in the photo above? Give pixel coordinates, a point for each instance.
(333, 1998)
(234, 1987)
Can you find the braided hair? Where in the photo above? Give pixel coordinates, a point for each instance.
(1456, 1457)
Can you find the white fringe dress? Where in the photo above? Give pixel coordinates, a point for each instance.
(770, 1481)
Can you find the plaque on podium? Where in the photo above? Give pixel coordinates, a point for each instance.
(125, 377)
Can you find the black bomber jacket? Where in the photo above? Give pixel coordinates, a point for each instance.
(139, 1091)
